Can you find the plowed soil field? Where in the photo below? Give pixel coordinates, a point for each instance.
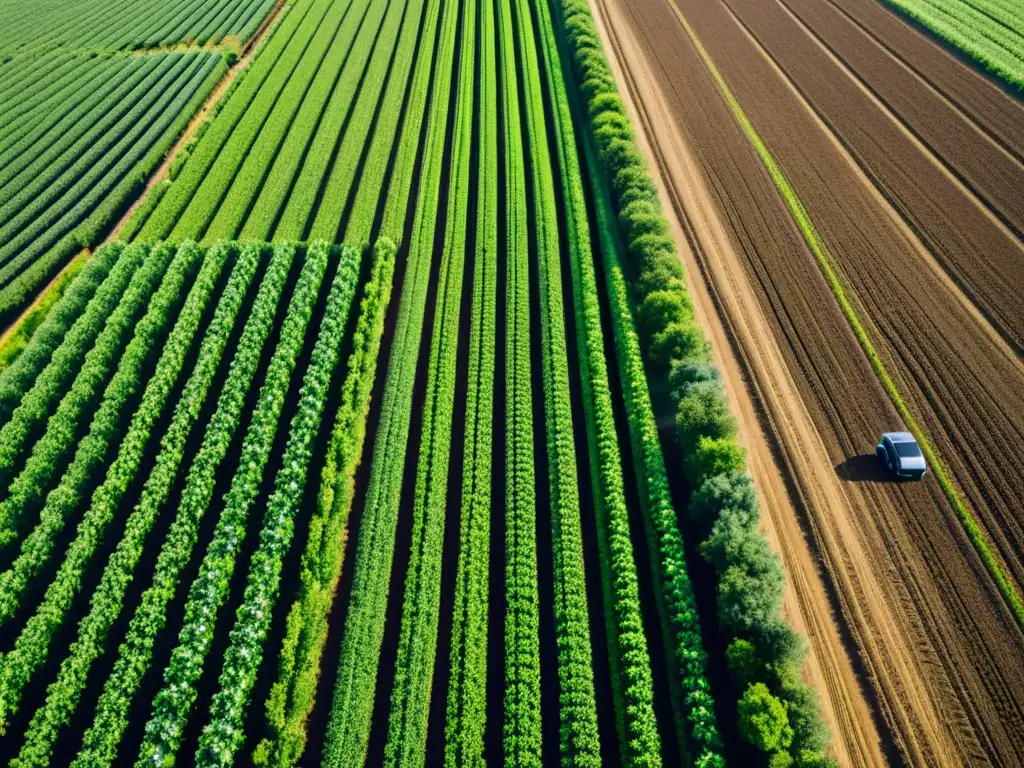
(909, 164)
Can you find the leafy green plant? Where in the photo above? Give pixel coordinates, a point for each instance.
(467, 687)
(292, 696)
(352, 707)
(222, 736)
(173, 703)
(521, 734)
(62, 695)
(134, 656)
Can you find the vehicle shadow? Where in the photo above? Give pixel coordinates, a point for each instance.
(863, 468)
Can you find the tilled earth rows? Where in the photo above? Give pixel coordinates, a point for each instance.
(942, 654)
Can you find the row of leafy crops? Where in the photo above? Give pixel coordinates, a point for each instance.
(148, 372)
(522, 740)
(291, 699)
(94, 95)
(126, 25)
(465, 719)
(579, 741)
(254, 511)
(632, 684)
(347, 737)
(78, 150)
(421, 599)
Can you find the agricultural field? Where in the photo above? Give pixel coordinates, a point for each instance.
(345, 447)
(94, 96)
(402, 382)
(989, 31)
(849, 191)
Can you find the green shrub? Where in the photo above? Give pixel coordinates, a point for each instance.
(811, 759)
(810, 733)
(780, 644)
(763, 721)
(702, 412)
(713, 456)
(743, 663)
(733, 490)
(724, 502)
(748, 601)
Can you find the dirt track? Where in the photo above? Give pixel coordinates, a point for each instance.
(941, 655)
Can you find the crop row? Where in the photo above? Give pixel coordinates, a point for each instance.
(84, 360)
(91, 24)
(321, 151)
(292, 696)
(989, 34)
(91, 450)
(55, 80)
(632, 684)
(173, 703)
(201, 162)
(62, 696)
(467, 687)
(47, 197)
(348, 729)
(687, 662)
(421, 599)
(20, 333)
(522, 730)
(83, 143)
(579, 741)
(411, 49)
(79, 217)
(223, 734)
(100, 744)
(334, 49)
(19, 376)
(43, 466)
(51, 119)
(48, 454)
(286, 154)
(336, 188)
(267, 117)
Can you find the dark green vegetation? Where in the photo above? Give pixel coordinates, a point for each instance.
(94, 95)
(271, 498)
(126, 25)
(723, 509)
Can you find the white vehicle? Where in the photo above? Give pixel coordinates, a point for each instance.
(900, 452)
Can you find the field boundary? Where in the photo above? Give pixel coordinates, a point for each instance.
(245, 54)
(219, 91)
(831, 274)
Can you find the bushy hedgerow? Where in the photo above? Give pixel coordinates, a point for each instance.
(764, 652)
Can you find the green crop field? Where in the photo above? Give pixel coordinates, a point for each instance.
(347, 450)
(94, 95)
(989, 31)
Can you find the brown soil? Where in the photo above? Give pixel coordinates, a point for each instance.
(984, 103)
(941, 655)
(918, 149)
